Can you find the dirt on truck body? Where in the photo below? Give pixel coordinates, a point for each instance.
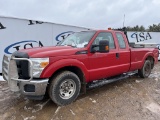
(133, 98)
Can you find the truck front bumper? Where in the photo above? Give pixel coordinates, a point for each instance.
(28, 87)
(34, 87)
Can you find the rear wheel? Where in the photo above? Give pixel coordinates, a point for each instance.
(145, 71)
(64, 88)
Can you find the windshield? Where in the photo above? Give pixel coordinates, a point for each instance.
(78, 39)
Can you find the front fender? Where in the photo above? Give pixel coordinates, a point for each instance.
(53, 67)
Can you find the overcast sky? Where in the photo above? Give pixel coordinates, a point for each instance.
(99, 14)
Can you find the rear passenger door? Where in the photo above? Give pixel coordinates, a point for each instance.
(123, 53)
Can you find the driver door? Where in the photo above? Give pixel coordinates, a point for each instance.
(103, 65)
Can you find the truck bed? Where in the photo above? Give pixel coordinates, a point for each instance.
(138, 55)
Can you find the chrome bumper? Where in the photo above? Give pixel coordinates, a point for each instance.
(30, 87)
(39, 87)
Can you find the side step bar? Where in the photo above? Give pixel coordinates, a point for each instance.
(99, 83)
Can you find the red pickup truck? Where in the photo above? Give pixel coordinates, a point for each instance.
(66, 69)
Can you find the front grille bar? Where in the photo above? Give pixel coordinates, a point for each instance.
(5, 67)
(31, 69)
(9, 68)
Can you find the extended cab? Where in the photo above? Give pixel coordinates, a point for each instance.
(65, 70)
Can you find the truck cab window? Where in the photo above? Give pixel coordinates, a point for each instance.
(105, 36)
(121, 41)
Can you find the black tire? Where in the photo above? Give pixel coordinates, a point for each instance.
(64, 88)
(145, 71)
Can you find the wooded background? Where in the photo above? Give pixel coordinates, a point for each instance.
(151, 28)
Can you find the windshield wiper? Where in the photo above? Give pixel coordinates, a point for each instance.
(74, 46)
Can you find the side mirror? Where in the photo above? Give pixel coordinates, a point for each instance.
(103, 47)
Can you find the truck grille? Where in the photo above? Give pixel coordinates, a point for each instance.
(22, 66)
(17, 68)
(23, 70)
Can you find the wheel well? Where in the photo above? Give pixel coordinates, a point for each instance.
(151, 59)
(75, 70)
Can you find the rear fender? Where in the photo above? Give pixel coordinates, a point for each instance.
(149, 54)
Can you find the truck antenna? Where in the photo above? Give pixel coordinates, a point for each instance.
(123, 20)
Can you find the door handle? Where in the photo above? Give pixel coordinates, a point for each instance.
(117, 55)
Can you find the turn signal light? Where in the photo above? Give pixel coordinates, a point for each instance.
(44, 64)
(107, 47)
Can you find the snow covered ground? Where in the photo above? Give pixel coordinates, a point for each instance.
(1, 78)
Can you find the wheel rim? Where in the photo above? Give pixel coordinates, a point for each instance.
(147, 70)
(67, 89)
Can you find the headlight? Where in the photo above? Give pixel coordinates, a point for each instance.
(38, 65)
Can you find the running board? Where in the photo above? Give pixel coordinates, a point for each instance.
(99, 83)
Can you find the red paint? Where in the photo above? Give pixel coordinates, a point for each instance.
(94, 65)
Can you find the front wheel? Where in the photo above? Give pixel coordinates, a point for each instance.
(64, 88)
(145, 71)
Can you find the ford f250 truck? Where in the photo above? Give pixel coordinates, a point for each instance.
(65, 70)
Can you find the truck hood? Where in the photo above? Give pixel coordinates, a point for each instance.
(50, 51)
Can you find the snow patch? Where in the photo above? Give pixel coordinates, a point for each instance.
(138, 81)
(156, 79)
(72, 112)
(82, 45)
(57, 110)
(26, 109)
(154, 75)
(40, 106)
(28, 118)
(154, 107)
(1, 78)
(94, 101)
